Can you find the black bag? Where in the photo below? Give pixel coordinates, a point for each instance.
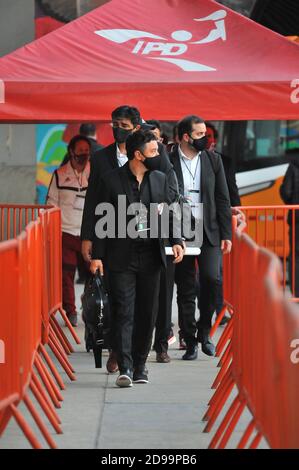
(95, 306)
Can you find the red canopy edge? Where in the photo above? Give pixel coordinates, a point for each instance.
(83, 70)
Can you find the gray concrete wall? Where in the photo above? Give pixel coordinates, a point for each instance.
(17, 142)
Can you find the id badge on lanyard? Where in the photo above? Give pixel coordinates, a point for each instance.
(141, 219)
(79, 202)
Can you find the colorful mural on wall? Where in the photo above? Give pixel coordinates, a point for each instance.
(50, 152)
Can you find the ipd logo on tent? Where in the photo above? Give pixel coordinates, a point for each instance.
(168, 49)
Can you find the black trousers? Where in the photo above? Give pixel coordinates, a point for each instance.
(134, 301)
(219, 296)
(209, 264)
(163, 322)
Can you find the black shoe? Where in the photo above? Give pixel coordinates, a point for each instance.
(140, 375)
(191, 353)
(73, 318)
(224, 320)
(125, 378)
(207, 345)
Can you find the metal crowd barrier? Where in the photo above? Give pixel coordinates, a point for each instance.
(30, 296)
(255, 350)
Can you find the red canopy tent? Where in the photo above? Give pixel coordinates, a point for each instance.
(168, 57)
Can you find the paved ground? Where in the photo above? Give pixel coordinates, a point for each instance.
(164, 414)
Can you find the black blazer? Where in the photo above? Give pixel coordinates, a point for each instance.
(116, 251)
(230, 176)
(214, 196)
(101, 163)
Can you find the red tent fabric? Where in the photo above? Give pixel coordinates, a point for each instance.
(168, 57)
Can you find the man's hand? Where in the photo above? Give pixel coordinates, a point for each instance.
(178, 253)
(86, 250)
(226, 246)
(241, 217)
(96, 264)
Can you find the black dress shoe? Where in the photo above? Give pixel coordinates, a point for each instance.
(207, 345)
(140, 375)
(191, 353)
(125, 378)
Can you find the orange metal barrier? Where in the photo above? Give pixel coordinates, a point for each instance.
(268, 227)
(257, 355)
(30, 296)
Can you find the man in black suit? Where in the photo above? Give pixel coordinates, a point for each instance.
(230, 175)
(201, 178)
(134, 264)
(89, 130)
(125, 121)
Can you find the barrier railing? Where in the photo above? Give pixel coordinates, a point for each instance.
(255, 352)
(30, 296)
(274, 228)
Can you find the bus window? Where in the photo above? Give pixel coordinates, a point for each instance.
(266, 143)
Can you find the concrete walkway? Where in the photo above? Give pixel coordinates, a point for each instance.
(164, 414)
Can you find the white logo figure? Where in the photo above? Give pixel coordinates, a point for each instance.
(171, 49)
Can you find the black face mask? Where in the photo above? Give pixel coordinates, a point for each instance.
(120, 135)
(153, 163)
(199, 144)
(81, 159)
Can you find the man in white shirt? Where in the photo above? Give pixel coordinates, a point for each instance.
(201, 179)
(67, 190)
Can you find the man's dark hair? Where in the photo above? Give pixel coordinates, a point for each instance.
(175, 132)
(127, 112)
(211, 126)
(74, 140)
(185, 125)
(138, 141)
(156, 124)
(88, 129)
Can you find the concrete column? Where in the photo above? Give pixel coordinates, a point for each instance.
(17, 141)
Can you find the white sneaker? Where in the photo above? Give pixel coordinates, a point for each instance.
(124, 380)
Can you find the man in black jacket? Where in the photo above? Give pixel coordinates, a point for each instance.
(134, 264)
(212, 138)
(201, 178)
(125, 121)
